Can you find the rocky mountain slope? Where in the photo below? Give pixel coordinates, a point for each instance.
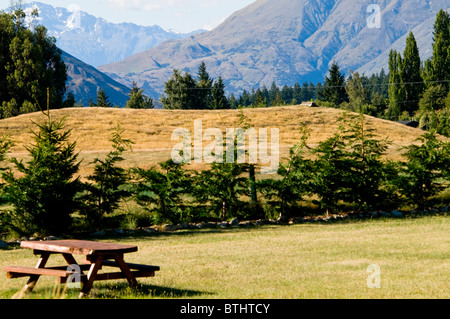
(286, 41)
(84, 81)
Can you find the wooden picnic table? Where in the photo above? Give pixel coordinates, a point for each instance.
(98, 255)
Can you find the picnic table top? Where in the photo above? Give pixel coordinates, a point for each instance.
(79, 247)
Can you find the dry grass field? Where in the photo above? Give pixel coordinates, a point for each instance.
(151, 130)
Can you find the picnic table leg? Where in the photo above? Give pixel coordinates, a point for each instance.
(34, 278)
(126, 270)
(91, 276)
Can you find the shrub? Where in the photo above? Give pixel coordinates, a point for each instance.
(426, 172)
(108, 185)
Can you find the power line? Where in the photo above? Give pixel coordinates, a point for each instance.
(316, 87)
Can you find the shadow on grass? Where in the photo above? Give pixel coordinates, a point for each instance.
(106, 291)
(122, 290)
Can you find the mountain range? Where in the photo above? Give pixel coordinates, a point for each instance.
(94, 40)
(287, 41)
(281, 41)
(88, 41)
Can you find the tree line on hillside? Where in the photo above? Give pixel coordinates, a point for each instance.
(411, 90)
(202, 92)
(45, 195)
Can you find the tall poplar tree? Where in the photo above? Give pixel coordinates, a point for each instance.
(396, 87)
(437, 68)
(412, 75)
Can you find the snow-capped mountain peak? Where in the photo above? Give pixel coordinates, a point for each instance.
(93, 39)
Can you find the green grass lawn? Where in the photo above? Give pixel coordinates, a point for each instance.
(307, 261)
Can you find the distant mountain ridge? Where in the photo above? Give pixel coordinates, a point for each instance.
(84, 81)
(286, 41)
(94, 40)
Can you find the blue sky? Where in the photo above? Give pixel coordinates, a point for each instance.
(180, 15)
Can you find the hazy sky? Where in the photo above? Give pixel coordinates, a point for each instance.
(180, 15)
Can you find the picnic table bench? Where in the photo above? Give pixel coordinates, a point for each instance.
(98, 255)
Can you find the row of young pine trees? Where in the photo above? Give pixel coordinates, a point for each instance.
(46, 196)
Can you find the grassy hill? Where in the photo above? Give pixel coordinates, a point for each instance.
(151, 130)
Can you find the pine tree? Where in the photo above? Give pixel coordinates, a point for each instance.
(330, 175)
(427, 167)
(274, 90)
(165, 190)
(357, 92)
(223, 186)
(205, 87)
(334, 86)
(368, 172)
(137, 99)
(103, 99)
(44, 195)
(219, 100)
(181, 92)
(286, 192)
(108, 182)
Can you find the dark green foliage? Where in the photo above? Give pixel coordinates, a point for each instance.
(205, 90)
(435, 103)
(331, 176)
(109, 183)
(224, 184)
(411, 75)
(406, 83)
(348, 168)
(5, 145)
(397, 94)
(285, 193)
(138, 100)
(70, 101)
(218, 99)
(369, 188)
(334, 87)
(426, 171)
(437, 68)
(103, 99)
(43, 196)
(30, 63)
(185, 92)
(181, 92)
(222, 187)
(164, 191)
